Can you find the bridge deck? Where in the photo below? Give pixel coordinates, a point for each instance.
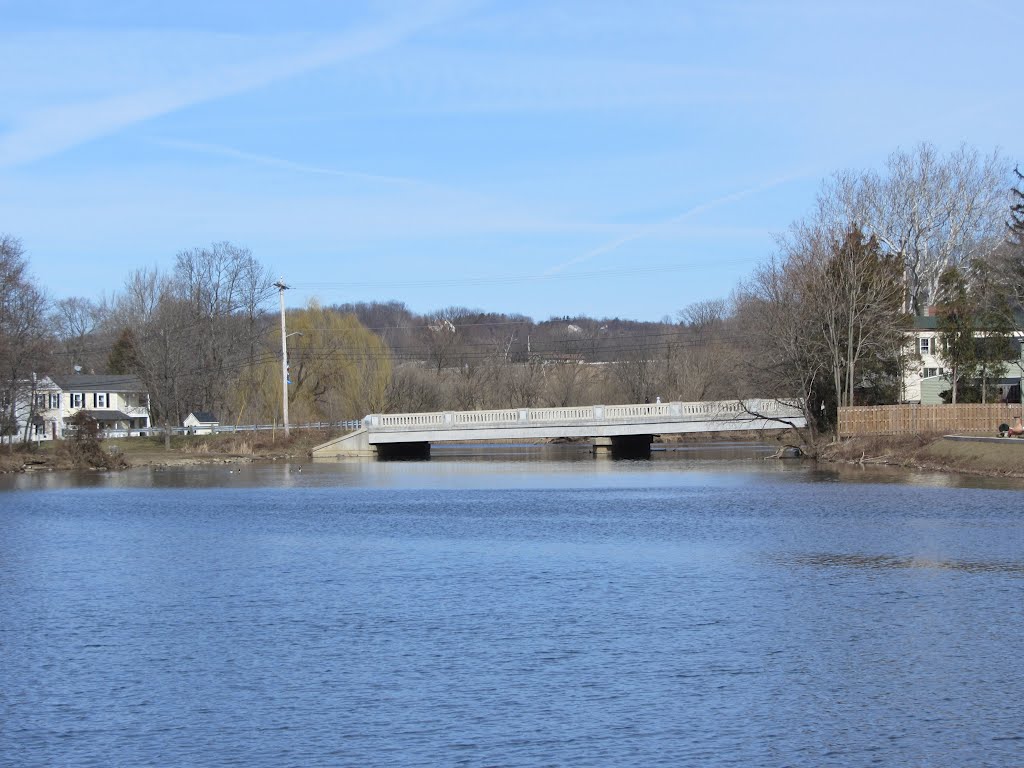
(577, 421)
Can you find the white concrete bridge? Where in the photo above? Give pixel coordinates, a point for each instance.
(616, 428)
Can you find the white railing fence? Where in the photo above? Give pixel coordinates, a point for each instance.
(724, 410)
(227, 429)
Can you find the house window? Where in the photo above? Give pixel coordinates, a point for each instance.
(929, 372)
(77, 400)
(41, 400)
(100, 400)
(55, 400)
(926, 345)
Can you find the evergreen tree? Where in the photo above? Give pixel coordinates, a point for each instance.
(123, 358)
(993, 317)
(956, 328)
(1016, 222)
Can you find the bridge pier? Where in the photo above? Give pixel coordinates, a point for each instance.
(399, 451)
(623, 446)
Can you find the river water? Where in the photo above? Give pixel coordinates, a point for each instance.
(511, 608)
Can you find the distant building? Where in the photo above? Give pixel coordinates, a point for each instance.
(201, 423)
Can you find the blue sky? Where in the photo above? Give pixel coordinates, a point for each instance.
(549, 158)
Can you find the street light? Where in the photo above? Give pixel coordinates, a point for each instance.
(284, 373)
(282, 287)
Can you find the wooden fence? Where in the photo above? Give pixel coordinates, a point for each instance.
(923, 419)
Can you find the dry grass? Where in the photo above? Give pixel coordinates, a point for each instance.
(189, 449)
(11, 462)
(935, 452)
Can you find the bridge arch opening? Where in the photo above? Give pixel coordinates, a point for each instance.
(624, 446)
(403, 451)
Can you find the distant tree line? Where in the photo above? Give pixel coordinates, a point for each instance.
(822, 318)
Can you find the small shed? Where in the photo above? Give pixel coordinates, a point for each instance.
(201, 423)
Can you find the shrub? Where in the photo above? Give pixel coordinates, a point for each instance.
(83, 448)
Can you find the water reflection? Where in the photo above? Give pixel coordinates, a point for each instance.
(511, 466)
(895, 562)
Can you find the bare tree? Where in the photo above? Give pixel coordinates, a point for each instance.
(413, 389)
(856, 298)
(931, 212)
(225, 291)
(25, 344)
(705, 315)
(161, 345)
(706, 360)
(77, 322)
(523, 382)
(443, 338)
(783, 345)
(637, 375)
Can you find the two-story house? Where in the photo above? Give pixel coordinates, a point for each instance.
(118, 403)
(926, 375)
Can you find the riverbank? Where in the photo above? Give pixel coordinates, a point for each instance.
(185, 450)
(993, 458)
(996, 458)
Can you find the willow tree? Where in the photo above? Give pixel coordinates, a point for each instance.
(337, 367)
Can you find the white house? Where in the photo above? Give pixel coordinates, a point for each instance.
(116, 402)
(927, 376)
(201, 423)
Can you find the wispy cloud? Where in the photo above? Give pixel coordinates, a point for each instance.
(480, 81)
(48, 131)
(219, 150)
(652, 229)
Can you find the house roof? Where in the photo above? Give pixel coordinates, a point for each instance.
(931, 322)
(108, 415)
(82, 382)
(204, 417)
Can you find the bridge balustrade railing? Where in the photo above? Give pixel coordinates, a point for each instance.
(726, 410)
(637, 410)
(484, 417)
(407, 419)
(571, 413)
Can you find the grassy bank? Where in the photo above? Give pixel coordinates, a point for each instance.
(185, 449)
(995, 458)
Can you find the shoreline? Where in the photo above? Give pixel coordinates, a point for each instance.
(997, 458)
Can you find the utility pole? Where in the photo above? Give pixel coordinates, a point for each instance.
(280, 285)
